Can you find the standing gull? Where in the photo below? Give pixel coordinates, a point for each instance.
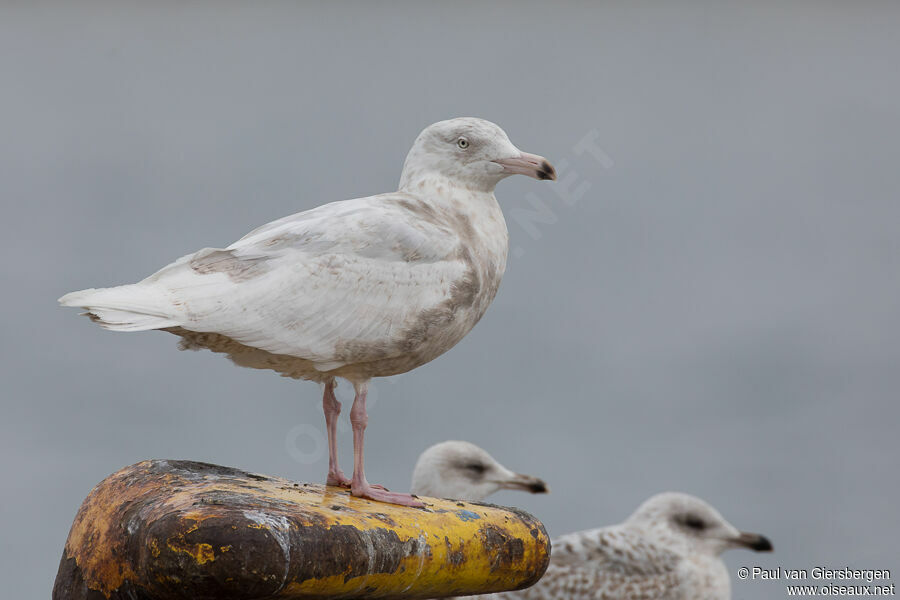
(362, 288)
(463, 471)
(667, 550)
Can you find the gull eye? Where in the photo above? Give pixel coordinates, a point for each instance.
(476, 468)
(694, 522)
(463, 143)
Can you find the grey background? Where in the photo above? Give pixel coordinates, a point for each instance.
(718, 314)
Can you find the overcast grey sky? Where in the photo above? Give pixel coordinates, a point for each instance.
(712, 307)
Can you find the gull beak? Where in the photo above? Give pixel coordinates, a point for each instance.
(754, 541)
(526, 483)
(528, 164)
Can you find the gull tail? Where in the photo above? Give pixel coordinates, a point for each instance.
(133, 307)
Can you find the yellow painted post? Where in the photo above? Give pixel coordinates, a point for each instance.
(165, 530)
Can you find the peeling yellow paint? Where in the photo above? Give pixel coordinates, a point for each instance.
(451, 548)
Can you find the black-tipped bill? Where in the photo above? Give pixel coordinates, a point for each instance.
(528, 164)
(755, 541)
(526, 483)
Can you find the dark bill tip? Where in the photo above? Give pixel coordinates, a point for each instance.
(762, 545)
(538, 487)
(755, 541)
(528, 164)
(526, 483)
(547, 172)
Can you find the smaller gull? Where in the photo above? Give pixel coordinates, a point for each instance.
(667, 550)
(463, 471)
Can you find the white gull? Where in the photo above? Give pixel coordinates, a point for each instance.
(356, 289)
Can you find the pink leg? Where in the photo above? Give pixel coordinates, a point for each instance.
(359, 487)
(332, 409)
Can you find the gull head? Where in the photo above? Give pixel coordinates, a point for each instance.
(471, 153)
(687, 525)
(463, 471)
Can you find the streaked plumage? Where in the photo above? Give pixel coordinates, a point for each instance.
(463, 471)
(356, 289)
(667, 550)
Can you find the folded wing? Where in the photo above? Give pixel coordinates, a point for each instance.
(346, 274)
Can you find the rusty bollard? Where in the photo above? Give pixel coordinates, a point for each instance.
(166, 530)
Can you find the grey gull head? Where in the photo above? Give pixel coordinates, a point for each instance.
(463, 471)
(687, 524)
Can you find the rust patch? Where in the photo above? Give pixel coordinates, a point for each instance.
(318, 552)
(505, 550)
(456, 557)
(387, 520)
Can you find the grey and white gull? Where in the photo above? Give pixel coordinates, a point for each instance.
(356, 289)
(669, 549)
(463, 471)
